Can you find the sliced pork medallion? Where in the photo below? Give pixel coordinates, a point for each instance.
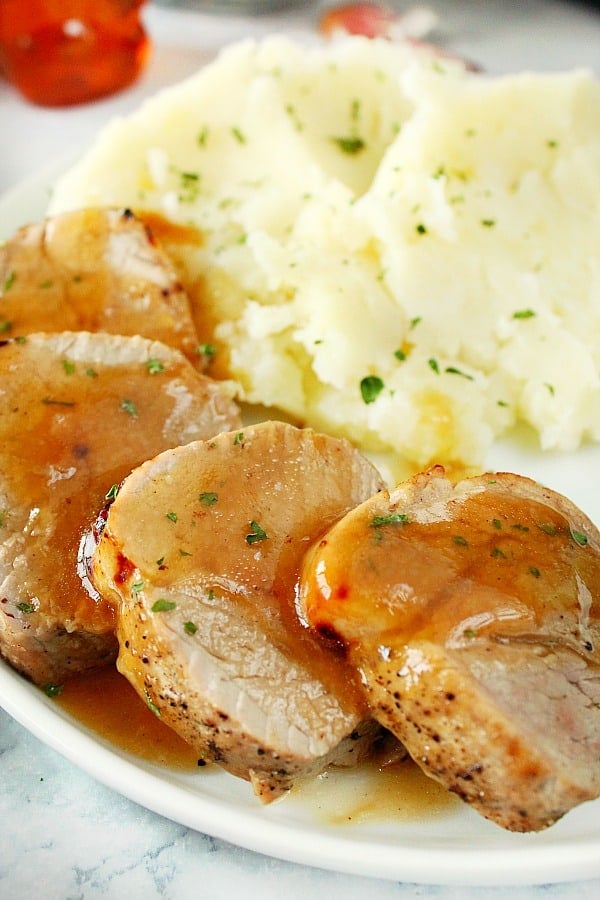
(93, 270)
(77, 412)
(472, 613)
(202, 549)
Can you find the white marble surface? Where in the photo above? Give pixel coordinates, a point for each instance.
(64, 836)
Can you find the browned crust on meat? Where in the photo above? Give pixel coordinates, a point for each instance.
(460, 736)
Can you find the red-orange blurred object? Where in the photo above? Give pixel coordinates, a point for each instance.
(369, 19)
(62, 52)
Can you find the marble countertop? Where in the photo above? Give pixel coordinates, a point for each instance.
(65, 836)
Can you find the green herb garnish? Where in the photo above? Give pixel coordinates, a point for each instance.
(370, 388)
(163, 605)
(9, 280)
(53, 690)
(257, 533)
(112, 492)
(349, 145)
(155, 366)
(25, 607)
(129, 407)
(390, 519)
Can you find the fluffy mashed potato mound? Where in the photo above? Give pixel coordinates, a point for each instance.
(393, 249)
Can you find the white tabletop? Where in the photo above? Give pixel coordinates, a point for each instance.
(63, 834)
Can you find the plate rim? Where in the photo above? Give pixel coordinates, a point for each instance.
(143, 784)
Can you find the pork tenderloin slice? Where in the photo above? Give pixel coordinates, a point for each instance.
(77, 412)
(471, 611)
(93, 269)
(201, 550)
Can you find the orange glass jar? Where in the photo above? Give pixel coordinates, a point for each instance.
(61, 52)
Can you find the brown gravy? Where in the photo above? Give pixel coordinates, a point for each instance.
(399, 792)
(105, 702)
(169, 232)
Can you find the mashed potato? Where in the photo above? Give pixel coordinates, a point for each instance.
(394, 249)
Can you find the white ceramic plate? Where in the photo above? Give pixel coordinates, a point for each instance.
(451, 846)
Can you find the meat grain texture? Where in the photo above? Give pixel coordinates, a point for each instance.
(472, 614)
(201, 555)
(77, 412)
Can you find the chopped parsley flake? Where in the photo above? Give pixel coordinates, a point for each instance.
(460, 540)
(390, 519)
(189, 183)
(421, 228)
(68, 366)
(349, 145)
(5, 326)
(579, 538)
(469, 632)
(190, 627)
(155, 366)
(238, 135)
(25, 607)
(137, 587)
(172, 516)
(257, 533)
(533, 570)
(238, 439)
(53, 690)
(129, 407)
(112, 492)
(524, 314)
(370, 388)
(9, 280)
(206, 349)
(208, 498)
(400, 354)
(434, 365)
(151, 705)
(488, 223)
(452, 370)
(163, 605)
(548, 528)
